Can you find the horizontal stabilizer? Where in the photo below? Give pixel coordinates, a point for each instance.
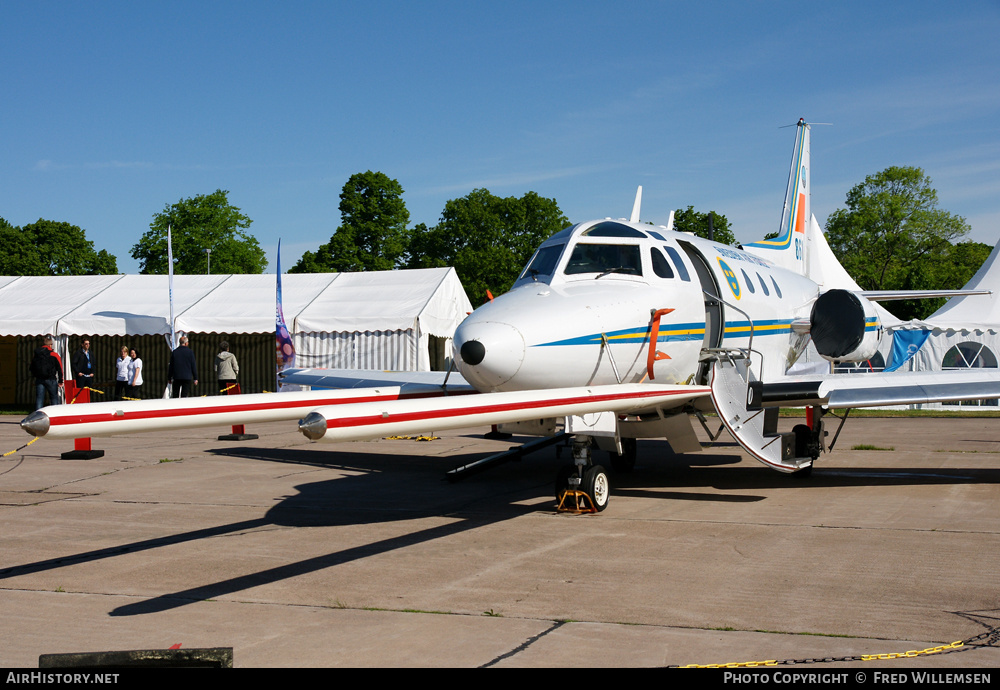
(890, 295)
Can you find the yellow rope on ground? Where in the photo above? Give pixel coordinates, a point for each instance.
(864, 657)
(11, 452)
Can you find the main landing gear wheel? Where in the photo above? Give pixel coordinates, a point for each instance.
(595, 484)
(582, 487)
(625, 462)
(592, 494)
(807, 444)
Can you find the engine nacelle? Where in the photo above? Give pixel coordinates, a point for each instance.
(844, 327)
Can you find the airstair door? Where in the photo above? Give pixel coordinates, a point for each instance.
(714, 316)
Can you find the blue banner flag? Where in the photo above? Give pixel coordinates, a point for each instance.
(905, 344)
(284, 347)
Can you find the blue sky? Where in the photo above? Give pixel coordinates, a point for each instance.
(113, 110)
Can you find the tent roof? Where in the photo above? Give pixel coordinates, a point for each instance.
(968, 312)
(321, 302)
(978, 312)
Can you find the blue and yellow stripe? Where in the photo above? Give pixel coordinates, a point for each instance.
(688, 331)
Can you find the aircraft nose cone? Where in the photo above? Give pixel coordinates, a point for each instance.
(313, 426)
(473, 352)
(490, 353)
(36, 423)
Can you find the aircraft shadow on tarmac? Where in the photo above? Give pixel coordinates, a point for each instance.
(392, 487)
(375, 494)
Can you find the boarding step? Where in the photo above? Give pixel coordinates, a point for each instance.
(736, 396)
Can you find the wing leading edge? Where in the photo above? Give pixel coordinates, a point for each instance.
(839, 391)
(367, 421)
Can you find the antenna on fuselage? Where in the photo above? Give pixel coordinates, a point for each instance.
(634, 218)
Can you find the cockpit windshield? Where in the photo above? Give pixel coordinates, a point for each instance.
(604, 259)
(544, 262)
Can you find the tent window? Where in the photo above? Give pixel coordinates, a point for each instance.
(970, 355)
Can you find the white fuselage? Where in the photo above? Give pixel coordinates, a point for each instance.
(583, 308)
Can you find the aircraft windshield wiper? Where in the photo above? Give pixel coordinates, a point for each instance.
(617, 269)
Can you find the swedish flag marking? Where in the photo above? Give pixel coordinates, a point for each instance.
(734, 284)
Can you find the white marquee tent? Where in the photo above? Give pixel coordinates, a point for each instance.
(382, 320)
(962, 334)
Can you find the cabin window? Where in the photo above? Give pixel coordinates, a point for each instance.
(605, 259)
(681, 268)
(544, 262)
(777, 290)
(763, 285)
(748, 282)
(612, 229)
(661, 266)
(563, 234)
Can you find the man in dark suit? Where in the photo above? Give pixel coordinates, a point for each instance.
(83, 366)
(183, 370)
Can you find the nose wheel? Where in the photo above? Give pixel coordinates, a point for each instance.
(582, 487)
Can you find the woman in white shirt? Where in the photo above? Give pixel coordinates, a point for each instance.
(121, 379)
(134, 374)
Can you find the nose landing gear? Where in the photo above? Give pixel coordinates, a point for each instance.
(582, 487)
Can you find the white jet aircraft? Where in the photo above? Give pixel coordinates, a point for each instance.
(615, 330)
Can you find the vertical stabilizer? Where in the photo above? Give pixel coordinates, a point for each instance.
(790, 248)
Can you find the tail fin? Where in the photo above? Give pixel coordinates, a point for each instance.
(788, 249)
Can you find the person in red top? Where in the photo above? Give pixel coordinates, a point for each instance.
(47, 368)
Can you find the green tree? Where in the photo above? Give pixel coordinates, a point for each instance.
(488, 239)
(690, 220)
(206, 221)
(50, 248)
(372, 235)
(892, 236)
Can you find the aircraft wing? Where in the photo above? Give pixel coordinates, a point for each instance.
(740, 400)
(372, 420)
(409, 381)
(84, 420)
(838, 391)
